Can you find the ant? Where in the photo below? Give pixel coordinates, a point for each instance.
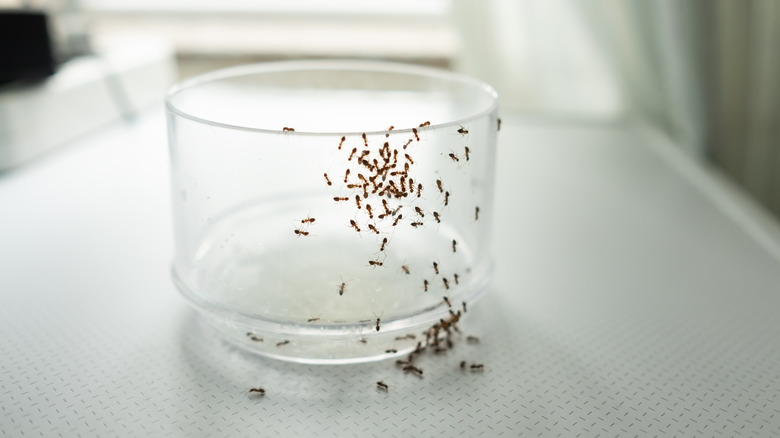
(301, 232)
(357, 201)
(308, 220)
(446, 285)
(312, 319)
(253, 337)
(467, 153)
(447, 300)
(498, 120)
(373, 228)
(416, 224)
(354, 225)
(351, 154)
(436, 267)
(400, 216)
(477, 367)
(456, 278)
(342, 286)
(259, 391)
(382, 385)
(464, 307)
(286, 129)
(409, 158)
(377, 324)
(376, 263)
(285, 342)
(345, 176)
(446, 198)
(392, 350)
(454, 243)
(476, 213)
(423, 125)
(342, 142)
(419, 211)
(472, 340)
(463, 364)
(384, 242)
(338, 198)
(354, 186)
(454, 157)
(419, 190)
(425, 285)
(462, 130)
(370, 213)
(438, 183)
(436, 216)
(405, 269)
(408, 143)
(327, 179)
(384, 204)
(391, 128)
(413, 369)
(414, 130)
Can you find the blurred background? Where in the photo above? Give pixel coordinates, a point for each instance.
(705, 73)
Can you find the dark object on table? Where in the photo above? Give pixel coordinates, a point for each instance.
(25, 46)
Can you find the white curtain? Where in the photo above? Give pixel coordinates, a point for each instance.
(529, 49)
(706, 71)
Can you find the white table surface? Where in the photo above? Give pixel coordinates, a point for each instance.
(629, 299)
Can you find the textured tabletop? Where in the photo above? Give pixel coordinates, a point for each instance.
(627, 301)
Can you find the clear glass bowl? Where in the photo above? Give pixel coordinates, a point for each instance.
(323, 210)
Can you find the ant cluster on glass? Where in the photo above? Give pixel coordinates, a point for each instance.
(381, 185)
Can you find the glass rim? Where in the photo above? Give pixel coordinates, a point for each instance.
(366, 66)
